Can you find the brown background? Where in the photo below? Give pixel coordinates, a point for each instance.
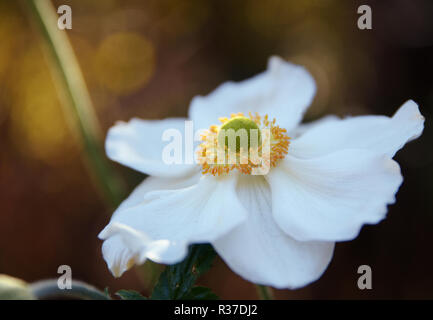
(148, 59)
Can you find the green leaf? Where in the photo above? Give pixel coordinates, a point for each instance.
(130, 295)
(176, 281)
(14, 289)
(201, 293)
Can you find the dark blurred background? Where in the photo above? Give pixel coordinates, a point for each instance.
(148, 59)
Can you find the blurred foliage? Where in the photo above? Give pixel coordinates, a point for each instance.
(14, 289)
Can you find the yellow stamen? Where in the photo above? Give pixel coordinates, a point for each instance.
(217, 158)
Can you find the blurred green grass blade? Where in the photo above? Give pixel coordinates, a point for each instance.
(264, 292)
(76, 99)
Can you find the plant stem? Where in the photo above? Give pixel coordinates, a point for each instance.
(79, 290)
(264, 292)
(76, 99)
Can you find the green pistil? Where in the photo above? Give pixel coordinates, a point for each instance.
(237, 124)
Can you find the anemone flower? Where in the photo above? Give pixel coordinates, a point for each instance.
(325, 181)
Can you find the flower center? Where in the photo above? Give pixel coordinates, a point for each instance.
(252, 145)
(245, 130)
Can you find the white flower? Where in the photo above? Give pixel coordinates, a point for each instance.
(277, 229)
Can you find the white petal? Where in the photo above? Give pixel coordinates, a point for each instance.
(159, 225)
(261, 252)
(283, 91)
(329, 198)
(138, 144)
(157, 183)
(305, 127)
(118, 257)
(125, 246)
(376, 133)
(116, 248)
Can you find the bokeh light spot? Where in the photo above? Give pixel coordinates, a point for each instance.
(125, 62)
(38, 126)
